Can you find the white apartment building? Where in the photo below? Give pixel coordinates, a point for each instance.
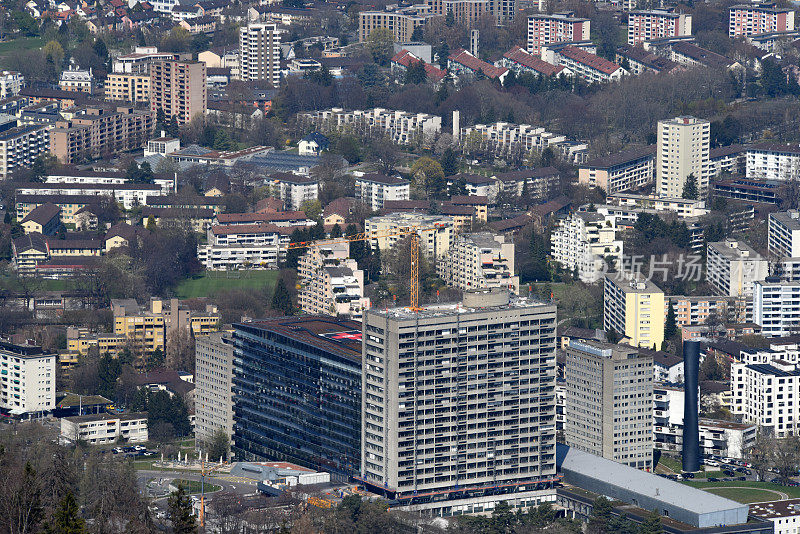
(624, 171)
(373, 189)
(562, 27)
(784, 515)
(585, 64)
(213, 396)
(733, 266)
(503, 138)
(10, 83)
(436, 235)
(127, 194)
(139, 61)
(478, 261)
(683, 149)
(783, 237)
(773, 161)
(102, 428)
(293, 189)
(331, 282)
(582, 241)
(767, 394)
(609, 402)
(21, 145)
(776, 307)
(401, 127)
(90, 178)
(78, 80)
(27, 379)
(657, 24)
(241, 246)
(683, 207)
(260, 52)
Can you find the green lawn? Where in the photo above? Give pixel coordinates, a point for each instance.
(209, 283)
(745, 495)
(670, 463)
(24, 43)
(755, 490)
(193, 486)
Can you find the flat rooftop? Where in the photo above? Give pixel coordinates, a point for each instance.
(484, 301)
(789, 219)
(775, 509)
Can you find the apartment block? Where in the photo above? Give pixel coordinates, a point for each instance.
(634, 308)
(179, 89)
(139, 61)
(400, 21)
(144, 328)
(640, 61)
(683, 149)
(773, 161)
(487, 420)
(766, 394)
(128, 87)
(373, 189)
(783, 234)
(103, 428)
(696, 310)
(20, 146)
(733, 266)
(331, 282)
(260, 52)
(609, 402)
(776, 307)
(281, 414)
(213, 379)
(562, 27)
(684, 207)
(506, 139)
(10, 83)
(77, 80)
(754, 19)
(583, 241)
(657, 24)
(520, 62)
(586, 65)
(730, 160)
(244, 246)
(95, 132)
(293, 189)
(436, 231)
(624, 171)
(27, 379)
(127, 194)
(479, 261)
(401, 127)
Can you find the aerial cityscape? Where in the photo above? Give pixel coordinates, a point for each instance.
(447, 267)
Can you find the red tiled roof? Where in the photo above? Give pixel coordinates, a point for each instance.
(589, 59)
(518, 55)
(476, 65)
(406, 58)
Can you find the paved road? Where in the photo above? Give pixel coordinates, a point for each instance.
(240, 485)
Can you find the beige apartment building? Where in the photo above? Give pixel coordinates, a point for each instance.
(98, 132)
(401, 22)
(479, 261)
(609, 402)
(465, 12)
(260, 52)
(213, 396)
(128, 87)
(683, 149)
(179, 88)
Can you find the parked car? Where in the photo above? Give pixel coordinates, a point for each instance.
(712, 463)
(713, 479)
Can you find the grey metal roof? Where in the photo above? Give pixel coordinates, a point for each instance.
(625, 483)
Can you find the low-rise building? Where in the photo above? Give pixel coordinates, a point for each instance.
(683, 207)
(503, 139)
(293, 189)
(589, 66)
(128, 195)
(625, 171)
(373, 189)
(331, 282)
(728, 160)
(10, 84)
(748, 190)
(478, 261)
(461, 63)
(733, 266)
(521, 62)
(45, 220)
(401, 127)
(537, 184)
(234, 247)
(582, 242)
(102, 428)
(636, 60)
(400, 21)
(77, 80)
(784, 515)
(27, 379)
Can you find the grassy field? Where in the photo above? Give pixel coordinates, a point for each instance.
(25, 43)
(670, 463)
(193, 486)
(209, 283)
(753, 491)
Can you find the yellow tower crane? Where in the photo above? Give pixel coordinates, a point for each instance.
(412, 231)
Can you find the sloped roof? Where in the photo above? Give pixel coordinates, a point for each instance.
(476, 65)
(518, 55)
(590, 60)
(43, 214)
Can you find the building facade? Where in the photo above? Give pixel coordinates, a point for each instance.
(562, 27)
(776, 307)
(331, 282)
(213, 393)
(27, 380)
(733, 266)
(583, 241)
(657, 24)
(683, 150)
(20, 146)
(373, 189)
(783, 234)
(435, 239)
(609, 402)
(103, 428)
(297, 385)
(123, 87)
(399, 21)
(754, 19)
(625, 171)
(260, 52)
(773, 161)
(179, 89)
(479, 261)
(401, 127)
(634, 308)
(435, 422)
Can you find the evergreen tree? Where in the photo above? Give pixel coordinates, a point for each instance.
(336, 231)
(161, 120)
(179, 511)
(600, 519)
(670, 325)
(525, 196)
(108, 372)
(151, 223)
(67, 519)
(449, 162)
(173, 129)
(539, 270)
(415, 73)
(7, 218)
(282, 299)
(100, 49)
(38, 169)
(652, 524)
(293, 254)
(690, 188)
